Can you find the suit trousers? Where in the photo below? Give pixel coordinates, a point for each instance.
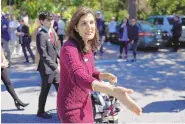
(47, 80)
(176, 42)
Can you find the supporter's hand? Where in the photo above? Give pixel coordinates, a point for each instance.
(132, 42)
(58, 69)
(4, 64)
(4, 26)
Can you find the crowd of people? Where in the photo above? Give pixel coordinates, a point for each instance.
(72, 72)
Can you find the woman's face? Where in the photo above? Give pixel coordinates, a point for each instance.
(86, 27)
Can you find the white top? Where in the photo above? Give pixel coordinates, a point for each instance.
(13, 25)
(61, 27)
(112, 27)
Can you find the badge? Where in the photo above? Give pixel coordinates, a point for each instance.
(85, 59)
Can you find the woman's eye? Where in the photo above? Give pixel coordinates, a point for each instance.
(91, 22)
(83, 23)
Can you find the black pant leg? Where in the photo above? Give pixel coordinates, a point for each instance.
(61, 39)
(24, 52)
(176, 42)
(30, 51)
(56, 81)
(44, 93)
(134, 49)
(121, 47)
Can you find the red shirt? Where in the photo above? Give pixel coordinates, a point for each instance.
(77, 72)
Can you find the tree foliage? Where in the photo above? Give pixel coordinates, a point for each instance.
(117, 8)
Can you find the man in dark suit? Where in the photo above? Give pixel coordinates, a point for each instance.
(48, 65)
(176, 32)
(25, 39)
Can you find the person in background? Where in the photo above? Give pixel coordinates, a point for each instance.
(176, 33)
(133, 35)
(14, 43)
(101, 30)
(25, 40)
(78, 76)
(55, 24)
(112, 27)
(123, 37)
(48, 66)
(7, 82)
(61, 29)
(5, 36)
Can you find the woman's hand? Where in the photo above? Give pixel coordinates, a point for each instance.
(111, 78)
(121, 94)
(4, 64)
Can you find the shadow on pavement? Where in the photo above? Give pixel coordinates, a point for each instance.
(165, 106)
(27, 118)
(152, 71)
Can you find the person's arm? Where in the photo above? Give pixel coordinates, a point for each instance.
(120, 93)
(4, 62)
(41, 47)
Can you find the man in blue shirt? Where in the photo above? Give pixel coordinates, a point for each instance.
(5, 37)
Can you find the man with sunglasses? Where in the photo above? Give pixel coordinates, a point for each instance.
(133, 35)
(48, 66)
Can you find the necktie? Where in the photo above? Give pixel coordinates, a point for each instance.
(52, 38)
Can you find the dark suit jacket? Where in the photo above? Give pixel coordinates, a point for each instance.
(48, 53)
(26, 39)
(177, 29)
(133, 33)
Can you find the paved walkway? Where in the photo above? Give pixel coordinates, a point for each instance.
(158, 79)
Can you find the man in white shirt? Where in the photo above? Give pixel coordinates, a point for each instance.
(112, 29)
(61, 29)
(14, 42)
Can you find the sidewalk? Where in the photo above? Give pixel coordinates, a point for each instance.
(157, 78)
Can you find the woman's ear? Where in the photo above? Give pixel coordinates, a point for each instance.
(76, 28)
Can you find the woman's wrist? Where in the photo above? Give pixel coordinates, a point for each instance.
(103, 76)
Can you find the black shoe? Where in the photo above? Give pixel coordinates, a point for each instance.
(174, 50)
(26, 62)
(117, 110)
(120, 57)
(133, 60)
(19, 105)
(44, 115)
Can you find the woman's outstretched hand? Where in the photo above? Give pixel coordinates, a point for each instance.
(121, 94)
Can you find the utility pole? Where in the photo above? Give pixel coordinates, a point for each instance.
(132, 8)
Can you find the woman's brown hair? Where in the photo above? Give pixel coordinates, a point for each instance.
(75, 37)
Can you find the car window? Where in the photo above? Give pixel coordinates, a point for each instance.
(183, 21)
(170, 20)
(158, 21)
(151, 20)
(146, 26)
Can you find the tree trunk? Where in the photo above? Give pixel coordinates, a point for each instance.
(132, 9)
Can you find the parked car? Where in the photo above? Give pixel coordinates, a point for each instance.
(150, 35)
(165, 23)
